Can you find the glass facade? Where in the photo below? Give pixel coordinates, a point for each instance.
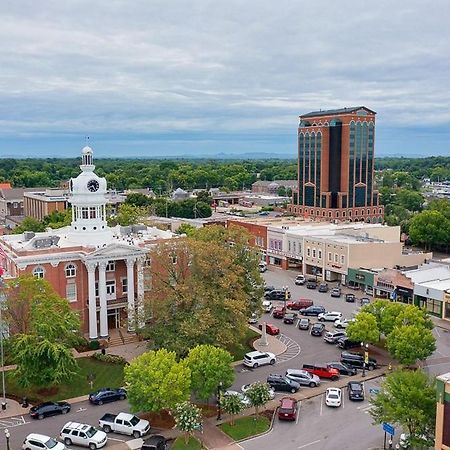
(310, 155)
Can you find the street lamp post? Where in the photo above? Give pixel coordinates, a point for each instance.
(219, 406)
(7, 435)
(365, 347)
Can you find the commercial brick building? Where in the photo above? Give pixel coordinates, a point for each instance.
(336, 166)
(38, 204)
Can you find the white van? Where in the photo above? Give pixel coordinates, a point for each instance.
(84, 435)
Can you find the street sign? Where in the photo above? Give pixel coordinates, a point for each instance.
(388, 428)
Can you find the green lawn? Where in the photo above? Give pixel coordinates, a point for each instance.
(106, 375)
(237, 351)
(246, 427)
(193, 444)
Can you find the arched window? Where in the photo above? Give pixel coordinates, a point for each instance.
(71, 270)
(39, 272)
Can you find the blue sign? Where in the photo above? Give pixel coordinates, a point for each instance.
(388, 428)
(374, 391)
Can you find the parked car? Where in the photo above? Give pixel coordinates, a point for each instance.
(303, 323)
(303, 377)
(300, 280)
(355, 390)
(262, 267)
(268, 289)
(267, 306)
(350, 298)
(342, 323)
(282, 383)
(257, 358)
(289, 318)
(155, 442)
(322, 371)
(246, 387)
(323, 287)
(333, 397)
(355, 359)
(312, 311)
(300, 304)
(83, 435)
(329, 316)
(332, 336)
(311, 284)
(364, 301)
(242, 397)
(344, 369)
(279, 312)
(335, 292)
(124, 423)
(287, 409)
(277, 294)
(345, 343)
(35, 441)
(49, 409)
(317, 329)
(252, 319)
(106, 395)
(270, 329)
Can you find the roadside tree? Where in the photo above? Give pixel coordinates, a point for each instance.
(210, 367)
(188, 418)
(232, 405)
(429, 228)
(409, 343)
(407, 399)
(364, 328)
(258, 394)
(155, 381)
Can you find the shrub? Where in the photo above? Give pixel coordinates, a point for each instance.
(113, 359)
(94, 344)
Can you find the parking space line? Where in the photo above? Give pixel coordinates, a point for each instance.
(321, 404)
(12, 422)
(343, 398)
(310, 443)
(298, 412)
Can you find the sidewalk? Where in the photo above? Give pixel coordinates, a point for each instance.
(441, 323)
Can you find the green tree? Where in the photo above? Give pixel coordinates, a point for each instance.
(364, 328)
(429, 228)
(407, 399)
(232, 405)
(258, 394)
(188, 418)
(29, 224)
(138, 199)
(411, 200)
(210, 366)
(155, 380)
(129, 215)
(186, 228)
(408, 343)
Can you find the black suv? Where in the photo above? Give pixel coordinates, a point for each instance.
(155, 442)
(106, 395)
(355, 390)
(354, 359)
(290, 318)
(346, 343)
(277, 294)
(343, 368)
(317, 329)
(312, 311)
(282, 383)
(350, 298)
(311, 284)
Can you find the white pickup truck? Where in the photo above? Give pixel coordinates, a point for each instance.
(124, 423)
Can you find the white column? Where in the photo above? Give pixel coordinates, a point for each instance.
(140, 292)
(90, 266)
(130, 294)
(102, 294)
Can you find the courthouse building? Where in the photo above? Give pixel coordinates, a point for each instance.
(99, 269)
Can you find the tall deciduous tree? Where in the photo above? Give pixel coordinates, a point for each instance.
(232, 404)
(407, 399)
(408, 343)
(258, 394)
(430, 228)
(155, 381)
(364, 328)
(210, 366)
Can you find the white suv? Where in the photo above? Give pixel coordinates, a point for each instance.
(84, 435)
(267, 306)
(329, 316)
(255, 359)
(36, 441)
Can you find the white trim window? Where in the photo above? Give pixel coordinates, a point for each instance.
(124, 285)
(342, 259)
(330, 257)
(71, 270)
(39, 272)
(308, 251)
(110, 289)
(71, 292)
(320, 254)
(111, 266)
(336, 258)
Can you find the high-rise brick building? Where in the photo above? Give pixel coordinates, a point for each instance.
(336, 166)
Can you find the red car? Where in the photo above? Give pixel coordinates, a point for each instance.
(287, 409)
(270, 329)
(279, 312)
(322, 371)
(300, 304)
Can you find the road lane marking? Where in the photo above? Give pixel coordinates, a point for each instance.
(311, 443)
(12, 422)
(298, 412)
(321, 404)
(116, 439)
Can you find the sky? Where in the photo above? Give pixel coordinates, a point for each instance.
(201, 78)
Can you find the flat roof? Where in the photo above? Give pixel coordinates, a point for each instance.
(333, 112)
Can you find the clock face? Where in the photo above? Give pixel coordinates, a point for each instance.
(93, 185)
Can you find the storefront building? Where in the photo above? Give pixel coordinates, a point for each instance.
(361, 278)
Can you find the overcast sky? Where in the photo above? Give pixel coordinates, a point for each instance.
(158, 77)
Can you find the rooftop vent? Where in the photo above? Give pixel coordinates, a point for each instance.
(27, 235)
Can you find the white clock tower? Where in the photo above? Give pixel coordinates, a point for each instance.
(87, 196)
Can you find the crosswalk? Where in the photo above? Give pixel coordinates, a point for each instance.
(292, 349)
(12, 422)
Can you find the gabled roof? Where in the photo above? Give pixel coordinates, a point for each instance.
(332, 112)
